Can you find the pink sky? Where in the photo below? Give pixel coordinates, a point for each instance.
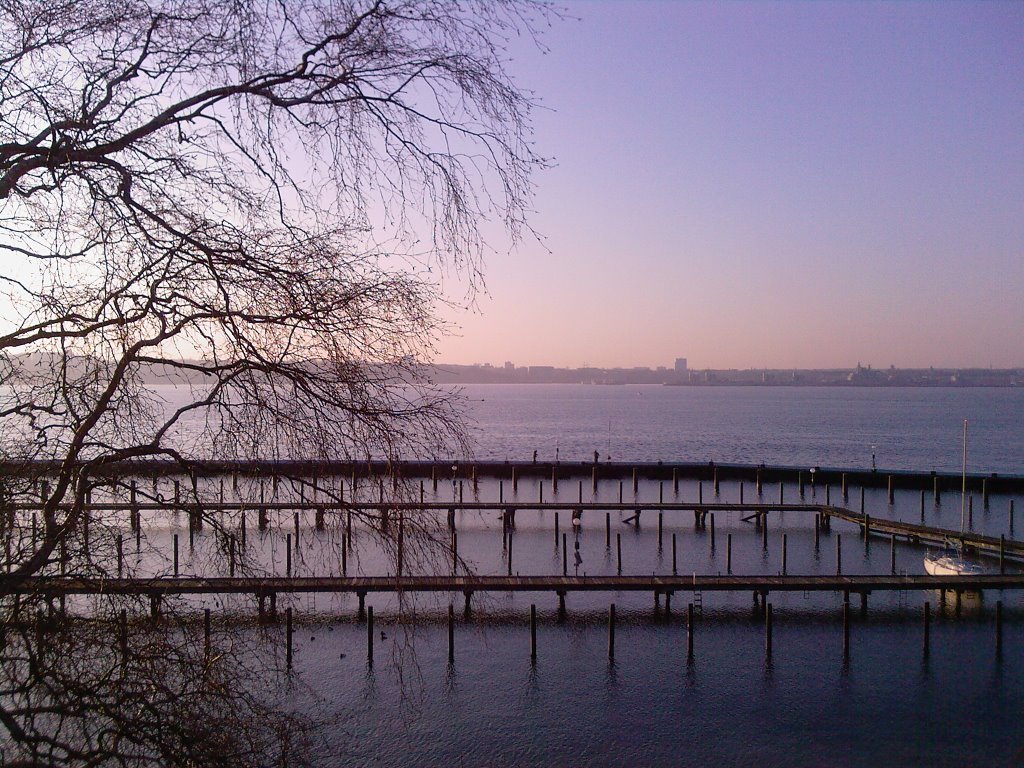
(769, 185)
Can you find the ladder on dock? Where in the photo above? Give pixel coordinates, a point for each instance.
(698, 596)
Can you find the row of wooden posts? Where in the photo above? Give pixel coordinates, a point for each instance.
(765, 609)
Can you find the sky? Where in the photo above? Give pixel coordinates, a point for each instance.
(768, 185)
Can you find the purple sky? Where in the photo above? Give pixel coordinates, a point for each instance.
(769, 184)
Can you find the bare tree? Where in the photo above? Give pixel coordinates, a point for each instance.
(261, 204)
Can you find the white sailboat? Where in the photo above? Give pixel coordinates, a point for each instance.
(950, 561)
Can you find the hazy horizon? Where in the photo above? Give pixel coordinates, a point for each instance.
(768, 185)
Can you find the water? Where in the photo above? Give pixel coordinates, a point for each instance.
(886, 704)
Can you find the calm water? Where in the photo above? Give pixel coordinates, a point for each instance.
(806, 706)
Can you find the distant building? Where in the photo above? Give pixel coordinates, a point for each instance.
(509, 366)
(680, 365)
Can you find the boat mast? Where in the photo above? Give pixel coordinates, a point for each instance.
(963, 481)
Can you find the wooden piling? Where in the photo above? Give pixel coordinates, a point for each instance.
(661, 526)
(675, 480)
(817, 531)
(674, 569)
(892, 553)
(784, 554)
(611, 632)
(620, 491)
(927, 627)
(922, 507)
(1011, 517)
(984, 492)
(728, 553)
(935, 490)
(1002, 553)
(565, 557)
(540, 491)
(608, 530)
(715, 480)
(970, 511)
(288, 637)
(712, 532)
(175, 554)
(846, 487)
(846, 629)
(661, 492)
(892, 496)
(510, 554)
(533, 632)
(344, 555)
(455, 551)
(296, 522)
(206, 634)
(764, 531)
(581, 492)
(800, 483)
(741, 492)
(636, 481)
(700, 491)
(288, 560)
(862, 499)
(839, 554)
(689, 631)
(369, 635)
(758, 481)
(618, 548)
(451, 633)
(782, 491)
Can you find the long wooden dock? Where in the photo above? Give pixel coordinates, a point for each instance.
(56, 586)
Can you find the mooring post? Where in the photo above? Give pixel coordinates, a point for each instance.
(175, 554)
(611, 632)
(561, 603)
(674, 571)
(1002, 553)
(369, 635)
(231, 554)
(892, 553)
(288, 636)
(970, 511)
(554, 481)
(344, 555)
(927, 627)
(540, 491)
(565, 557)
(515, 481)
(455, 551)
(999, 627)
(892, 496)
(846, 629)
(581, 492)
(817, 530)
(675, 480)
(784, 554)
(712, 533)
(782, 491)
(636, 481)
(510, 554)
(661, 524)
(984, 491)
(728, 553)
(828, 494)
(533, 632)
(846, 488)
(800, 483)
(296, 519)
(206, 634)
(689, 631)
(120, 555)
(862, 499)
(867, 531)
(764, 531)
(715, 480)
(620, 491)
(700, 491)
(741, 491)
(768, 631)
(618, 548)
(467, 606)
(922, 506)
(1011, 517)
(758, 481)
(451, 633)
(288, 560)
(556, 527)
(593, 479)
(839, 554)
(607, 530)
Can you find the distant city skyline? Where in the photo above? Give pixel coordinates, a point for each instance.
(768, 185)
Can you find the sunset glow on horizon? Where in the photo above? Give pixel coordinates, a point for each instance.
(769, 185)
